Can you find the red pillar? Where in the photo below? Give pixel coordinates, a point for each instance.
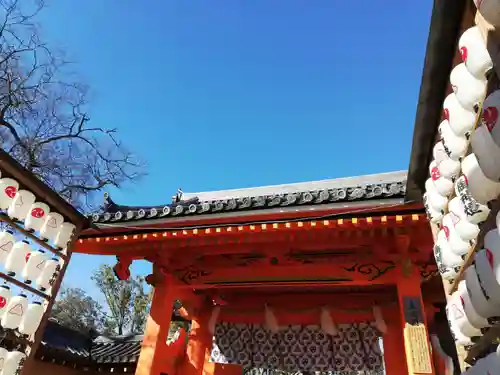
(198, 347)
(153, 359)
(413, 321)
(394, 343)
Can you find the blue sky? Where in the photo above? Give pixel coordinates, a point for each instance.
(237, 93)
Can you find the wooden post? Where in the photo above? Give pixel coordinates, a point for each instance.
(416, 335)
(394, 343)
(198, 347)
(152, 359)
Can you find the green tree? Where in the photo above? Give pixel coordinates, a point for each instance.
(74, 308)
(127, 300)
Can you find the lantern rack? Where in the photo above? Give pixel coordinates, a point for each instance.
(483, 344)
(24, 286)
(6, 219)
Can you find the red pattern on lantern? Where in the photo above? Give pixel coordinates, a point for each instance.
(446, 232)
(37, 212)
(3, 302)
(464, 53)
(446, 114)
(435, 175)
(490, 117)
(490, 257)
(10, 191)
(27, 257)
(466, 180)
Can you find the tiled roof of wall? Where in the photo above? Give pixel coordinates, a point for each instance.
(362, 188)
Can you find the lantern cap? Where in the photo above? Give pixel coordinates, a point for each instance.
(10, 231)
(41, 251)
(56, 259)
(37, 303)
(25, 241)
(5, 286)
(23, 295)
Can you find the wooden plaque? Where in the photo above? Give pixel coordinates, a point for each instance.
(417, 349)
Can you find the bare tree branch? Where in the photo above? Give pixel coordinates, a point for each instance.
(44, 121)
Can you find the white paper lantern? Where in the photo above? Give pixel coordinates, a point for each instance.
(3, 357)
(15, 262)
(487, 152)
(433, 215)
(492, 244)
(51, 227)
(476, 320)
(36, 216)
(490, 115)
(485, 307)
(468, 89)
(484, 260)
(459, 318)
(8, 190)
(7, 241)
(20, 205)
(444, 186)
(482, 188)
(446, 267)
(461, 120)
(467, 231)
(458, 336)
(5, 296)
(32, 319)
(13, 363)
(327, 324)
(436, 200)
(456, 244)
(34, 266)
(64, 235)
(447, 167)
(474, 53)
(490, 10)
(50, 268)
(14, 312)
(475, 212)
(455, 146)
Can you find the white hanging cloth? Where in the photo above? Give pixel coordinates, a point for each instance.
(271, 321)
(327, 324)
(379, 319)
(213, 319)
